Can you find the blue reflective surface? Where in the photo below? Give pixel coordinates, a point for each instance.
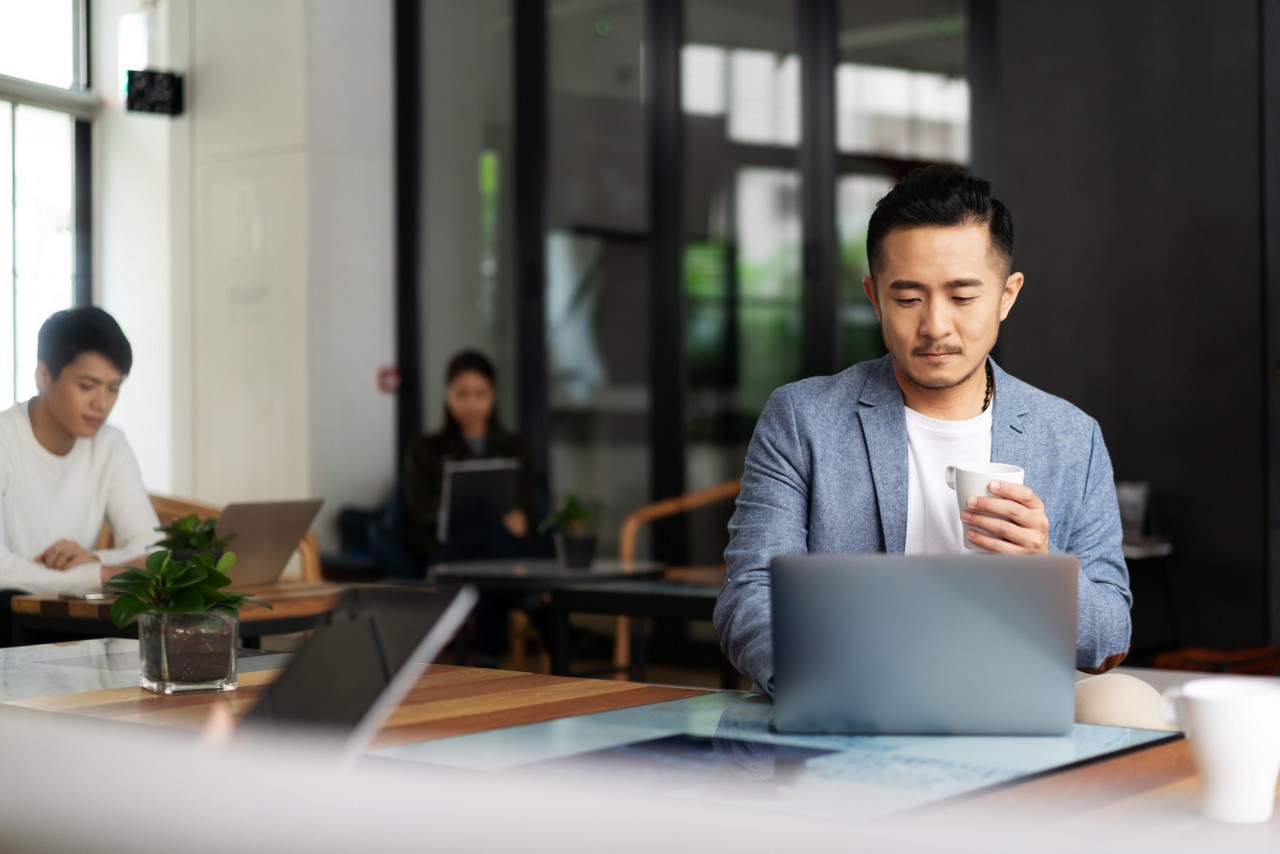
(720, 746)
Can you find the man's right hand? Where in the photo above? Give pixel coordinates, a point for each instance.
(65, 554)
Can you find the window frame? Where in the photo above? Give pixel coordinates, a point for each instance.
(81, 106)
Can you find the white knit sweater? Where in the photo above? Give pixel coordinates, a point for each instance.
(45, 497)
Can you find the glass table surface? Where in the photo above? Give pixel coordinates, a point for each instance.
(720, 746)
(88, 665)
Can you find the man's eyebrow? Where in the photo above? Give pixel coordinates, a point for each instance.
(94, 378)
(909, 285)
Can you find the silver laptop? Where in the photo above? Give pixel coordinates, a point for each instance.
(913, 644)
(352, 674)
(266, 535)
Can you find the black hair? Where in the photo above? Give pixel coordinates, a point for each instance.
(87, 329)
(477, 363)
(943, 196)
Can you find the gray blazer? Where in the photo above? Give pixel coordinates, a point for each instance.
(826, 471)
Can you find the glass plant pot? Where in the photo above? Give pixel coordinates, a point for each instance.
(187, 652)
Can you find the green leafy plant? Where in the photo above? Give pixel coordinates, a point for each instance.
(173, 586)
(191, 533)
(572, 516)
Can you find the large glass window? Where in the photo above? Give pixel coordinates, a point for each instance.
(38, 43)
(902, 99)
(42, 235)
(468, 298)
(597, 289)
(740, 81)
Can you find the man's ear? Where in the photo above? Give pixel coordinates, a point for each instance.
(44, 377)
(869, 287)
(1012, 286)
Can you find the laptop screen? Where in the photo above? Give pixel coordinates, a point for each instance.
(357, 667)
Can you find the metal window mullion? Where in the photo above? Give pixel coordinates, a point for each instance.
(668, 368)
(13, 242)
(530, 85)
(82, 213)
(817, 27)
(408, 198)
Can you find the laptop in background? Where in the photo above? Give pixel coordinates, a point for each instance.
(914, 644)
(357, 667)
(266, 534)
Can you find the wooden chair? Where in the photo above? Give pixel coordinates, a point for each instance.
(169, 508)
(627, 534)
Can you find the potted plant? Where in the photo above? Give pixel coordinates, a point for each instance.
(187, 621)
(190, 534)
(575, 545)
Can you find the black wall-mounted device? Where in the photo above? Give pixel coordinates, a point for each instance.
(154, 92)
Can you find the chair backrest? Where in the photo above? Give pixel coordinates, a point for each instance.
(169, 508)
(630, 529)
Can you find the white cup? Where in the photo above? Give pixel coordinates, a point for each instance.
(1233, 727)
(972, 479)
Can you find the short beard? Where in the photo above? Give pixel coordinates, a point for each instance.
(939, 385)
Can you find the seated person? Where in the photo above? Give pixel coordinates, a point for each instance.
(855, 462)
(63, 471)
(471, 431)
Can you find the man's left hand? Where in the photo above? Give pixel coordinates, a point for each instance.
(1020, 526)
(65, 554)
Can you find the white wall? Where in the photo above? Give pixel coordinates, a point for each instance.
(247, 249)
(352, 252)
(141, 270)
(248, 96)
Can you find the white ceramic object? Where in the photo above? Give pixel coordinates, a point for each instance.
(973, 479)
(1233, 726)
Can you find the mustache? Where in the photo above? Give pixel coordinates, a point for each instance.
(950, 349)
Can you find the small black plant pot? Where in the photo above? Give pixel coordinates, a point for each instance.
(576, 552)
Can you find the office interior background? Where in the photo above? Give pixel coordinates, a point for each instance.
(650, 214)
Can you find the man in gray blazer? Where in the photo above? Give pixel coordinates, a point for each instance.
(854, 462)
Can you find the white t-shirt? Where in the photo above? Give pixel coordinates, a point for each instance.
(45, 497)
(933, 517)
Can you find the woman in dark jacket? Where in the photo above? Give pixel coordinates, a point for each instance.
(471, 431)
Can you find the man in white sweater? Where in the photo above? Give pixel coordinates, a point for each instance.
(63, 472)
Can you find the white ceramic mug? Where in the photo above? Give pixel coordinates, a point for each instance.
(1233, 727)
(972, 479)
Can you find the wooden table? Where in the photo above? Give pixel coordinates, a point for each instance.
(1154, 786)
(448, 700)
(295, 607)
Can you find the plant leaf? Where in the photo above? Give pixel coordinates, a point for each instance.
(128, 577)
(126, 609)
(140, 589)
(187, 601)
(227, 561)
(216, 580)
(190, 577)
